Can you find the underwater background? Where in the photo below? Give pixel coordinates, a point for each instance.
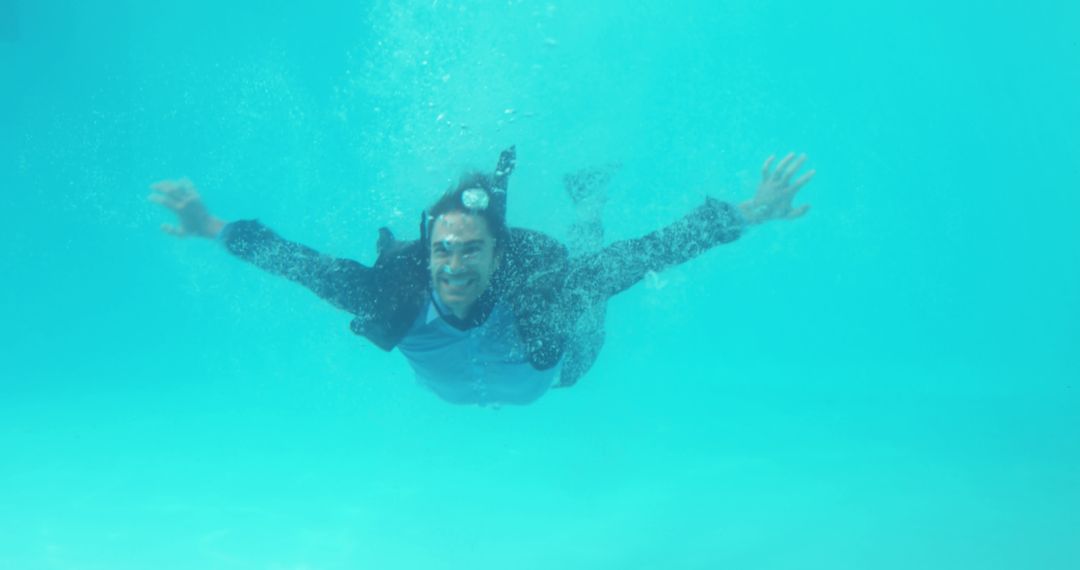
(885, 383)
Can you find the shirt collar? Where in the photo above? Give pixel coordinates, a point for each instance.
(438, 310)
(434, 306)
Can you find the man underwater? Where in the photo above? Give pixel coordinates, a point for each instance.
(484, 313)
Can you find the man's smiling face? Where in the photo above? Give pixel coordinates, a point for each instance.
(463, 259)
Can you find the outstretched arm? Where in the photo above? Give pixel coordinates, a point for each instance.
(343, 282)
(776, 192)
(622, 264)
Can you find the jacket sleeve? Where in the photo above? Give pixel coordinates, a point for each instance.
(345, 283)
(619, 266)
(531, 280)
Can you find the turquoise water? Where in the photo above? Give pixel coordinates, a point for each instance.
(886, 383)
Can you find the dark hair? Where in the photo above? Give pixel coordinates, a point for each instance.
(492, 210)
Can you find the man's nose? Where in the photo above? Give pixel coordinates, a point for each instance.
(456, 262)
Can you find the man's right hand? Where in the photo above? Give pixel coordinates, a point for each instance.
(180, 197)
(776, 191)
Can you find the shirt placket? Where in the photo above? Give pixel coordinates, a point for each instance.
(476, 366)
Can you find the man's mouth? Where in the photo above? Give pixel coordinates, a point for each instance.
(457, 282)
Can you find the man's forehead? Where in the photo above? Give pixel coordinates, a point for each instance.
(459, 227)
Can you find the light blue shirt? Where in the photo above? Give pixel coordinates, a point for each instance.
(482, 365)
